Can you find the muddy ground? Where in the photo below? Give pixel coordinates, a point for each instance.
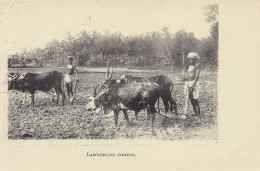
(50, 121)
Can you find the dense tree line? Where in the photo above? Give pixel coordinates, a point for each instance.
(153, 49)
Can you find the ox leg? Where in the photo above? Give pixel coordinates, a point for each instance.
(153, 112)
(149, 114)
(24, 99)
(136, 115)
(172, 103)
(126, 117)
(58, 95)
(63, 97)
(32, 97)
(116, 112)
(166, 104)
(173, 106)
(52, 98)
(68, 89)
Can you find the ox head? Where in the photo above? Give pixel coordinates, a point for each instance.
(100, 94)
(100, 87)
(15, 80)
(95, 103)
(12, 80)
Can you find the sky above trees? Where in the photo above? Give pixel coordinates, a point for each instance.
(33, 24)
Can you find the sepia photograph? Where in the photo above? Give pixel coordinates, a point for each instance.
(128, 73)
(158, 82)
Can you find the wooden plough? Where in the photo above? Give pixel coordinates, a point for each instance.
(167, 116)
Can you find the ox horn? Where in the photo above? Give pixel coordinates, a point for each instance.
(11, 76)
(109, 73)
(95, 91)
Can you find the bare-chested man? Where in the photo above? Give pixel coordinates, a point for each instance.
(191, 89)
(69, 78)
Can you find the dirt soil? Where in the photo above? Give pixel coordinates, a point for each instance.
(72, 121)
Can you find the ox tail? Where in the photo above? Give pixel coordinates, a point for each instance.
(62, 83)
(171, 88)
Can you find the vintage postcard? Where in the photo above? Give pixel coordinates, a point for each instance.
(144, 85)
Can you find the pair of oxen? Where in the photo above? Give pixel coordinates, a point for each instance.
(133, 93)
(126, 93)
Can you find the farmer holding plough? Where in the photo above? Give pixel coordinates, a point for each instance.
(70, 79)
(191, 88)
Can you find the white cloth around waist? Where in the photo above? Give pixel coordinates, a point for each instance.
(188, 85)
(69, 78)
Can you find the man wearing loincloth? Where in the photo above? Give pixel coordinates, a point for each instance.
(69, 77)
(191, 87)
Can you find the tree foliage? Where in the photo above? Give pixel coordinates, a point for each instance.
(153, 49)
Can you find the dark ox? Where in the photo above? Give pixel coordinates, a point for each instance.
(31, 82)
(124, 96)
(165, 86)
